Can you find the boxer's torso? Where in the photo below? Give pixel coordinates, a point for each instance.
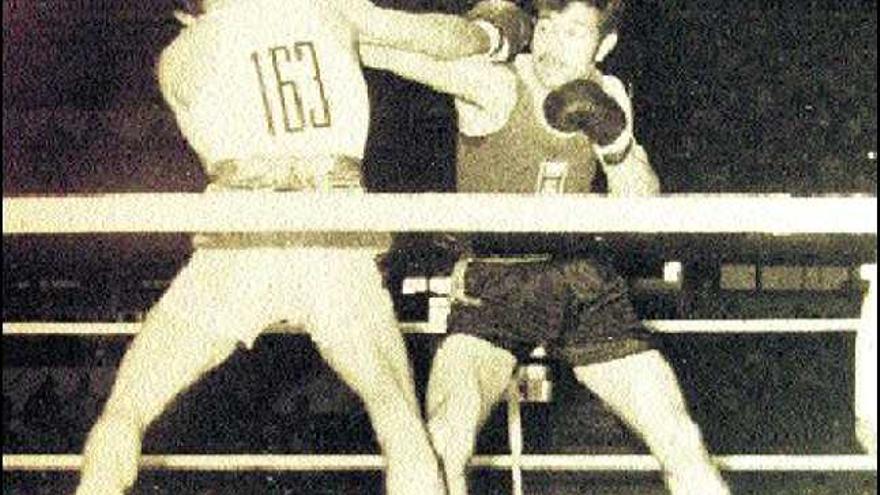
(269, 78)
(525, 155)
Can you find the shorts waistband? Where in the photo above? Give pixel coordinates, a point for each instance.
(287, 173)
(459, 270)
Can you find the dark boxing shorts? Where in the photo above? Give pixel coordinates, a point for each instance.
(578, 309)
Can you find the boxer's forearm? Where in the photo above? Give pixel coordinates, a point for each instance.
(440, 75)
(438, 35)
(448, 37)
(474, 80)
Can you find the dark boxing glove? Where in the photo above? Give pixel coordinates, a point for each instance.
(582, 106)
(508, 25)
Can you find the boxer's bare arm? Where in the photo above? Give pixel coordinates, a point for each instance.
(438, 35)
(625, 162)
(475, 80)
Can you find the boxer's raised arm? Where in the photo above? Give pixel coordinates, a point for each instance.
(474, 79)
(626, 165)
(438, 35)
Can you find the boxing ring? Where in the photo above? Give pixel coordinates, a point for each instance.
(774, 216)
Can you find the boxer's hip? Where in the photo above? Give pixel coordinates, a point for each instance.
(336, 174)
(516, 297)
(323, 173)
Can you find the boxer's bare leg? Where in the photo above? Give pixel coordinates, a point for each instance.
(468, 377)
(350, 324)
(642, 389)
(190, 331)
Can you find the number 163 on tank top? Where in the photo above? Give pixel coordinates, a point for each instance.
(291, 88)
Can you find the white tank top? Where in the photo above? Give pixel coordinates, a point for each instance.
(270, 78)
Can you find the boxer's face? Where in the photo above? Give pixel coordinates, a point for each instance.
(564, 43)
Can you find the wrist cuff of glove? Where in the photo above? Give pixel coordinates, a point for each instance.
(499, 47)
(616, 152)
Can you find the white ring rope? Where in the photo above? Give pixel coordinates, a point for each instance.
(298, 212)
(303, 462)
(656, 326)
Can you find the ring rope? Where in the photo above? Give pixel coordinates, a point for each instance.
(529, 462)
(656, 326)
(500, 213)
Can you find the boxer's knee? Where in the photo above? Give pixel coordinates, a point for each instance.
(471, 369)
(462, 387)
(495, 367)
(452, 374)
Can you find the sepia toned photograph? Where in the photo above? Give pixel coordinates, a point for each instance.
(439, 247)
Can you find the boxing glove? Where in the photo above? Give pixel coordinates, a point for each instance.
(508, 26)
(583, 106)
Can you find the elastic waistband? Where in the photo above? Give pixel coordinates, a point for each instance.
(461, 267)
(287, 173)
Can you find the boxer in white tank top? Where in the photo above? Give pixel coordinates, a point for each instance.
(270, 95)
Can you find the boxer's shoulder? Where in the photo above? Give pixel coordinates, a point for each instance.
(183, 61)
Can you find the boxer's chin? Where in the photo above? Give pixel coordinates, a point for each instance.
(551, 77)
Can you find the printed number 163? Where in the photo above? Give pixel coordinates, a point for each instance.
(297, 88)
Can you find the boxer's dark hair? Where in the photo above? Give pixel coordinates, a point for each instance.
(611, 10)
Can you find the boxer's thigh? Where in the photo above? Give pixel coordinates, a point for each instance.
(325, 287)
(220, 294)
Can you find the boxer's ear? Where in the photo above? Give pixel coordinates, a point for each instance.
(605, 47)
